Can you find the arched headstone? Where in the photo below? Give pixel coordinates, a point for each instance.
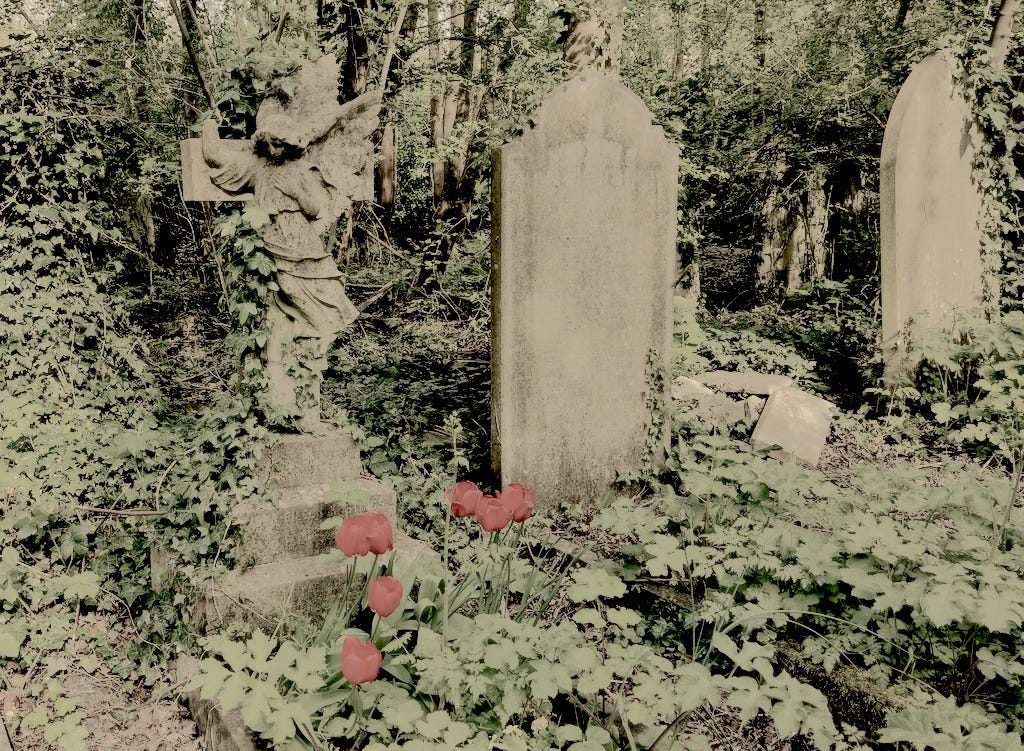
(930, 209)
(582, 277)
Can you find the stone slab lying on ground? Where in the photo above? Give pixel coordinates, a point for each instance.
(797, 422)
(717, 409)
(747, 382)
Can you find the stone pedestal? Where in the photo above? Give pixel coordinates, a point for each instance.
(283, 546)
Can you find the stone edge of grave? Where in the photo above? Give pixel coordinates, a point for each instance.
(226, 731)
(276, 531)
(261, 593)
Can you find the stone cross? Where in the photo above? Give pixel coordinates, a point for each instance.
(582, 270)
(308, 160)
(931, 260)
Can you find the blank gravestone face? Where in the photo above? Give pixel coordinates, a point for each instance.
(931, 243)
(584, 249)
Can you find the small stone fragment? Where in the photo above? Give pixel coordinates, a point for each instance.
(684, 388)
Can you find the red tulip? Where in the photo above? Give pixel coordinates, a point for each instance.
(365, 533)
(360, 663)
(492, 514)
(385, 594)
(464, 497)
(352, 536)
(380, 535)
(519, 501)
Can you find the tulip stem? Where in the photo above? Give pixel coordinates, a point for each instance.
(447, 575)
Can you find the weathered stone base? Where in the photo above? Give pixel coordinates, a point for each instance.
(271, 593)
(293, 572)
(291, 529)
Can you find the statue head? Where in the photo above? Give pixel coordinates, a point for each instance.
(278, 137)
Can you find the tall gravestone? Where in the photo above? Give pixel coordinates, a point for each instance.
(930, 208)
(582, 274)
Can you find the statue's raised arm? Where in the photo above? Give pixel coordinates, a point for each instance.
(232, 163)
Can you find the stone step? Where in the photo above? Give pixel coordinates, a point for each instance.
(301, 459)
(268, 594)
(291, 529)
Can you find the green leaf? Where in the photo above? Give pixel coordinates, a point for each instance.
(592, 583)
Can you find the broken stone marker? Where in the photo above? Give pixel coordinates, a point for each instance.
(753, 406)
(736, 382)
(795, 421)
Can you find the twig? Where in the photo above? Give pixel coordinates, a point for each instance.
(34, 26)
(160, 483)
(199, 31)
(377, 295)
(119, 512)
(281, 21)
(5, 737)
(186, 40)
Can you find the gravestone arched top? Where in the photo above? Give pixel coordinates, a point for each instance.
(593, 105)
(930, 91)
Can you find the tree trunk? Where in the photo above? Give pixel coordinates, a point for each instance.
(452, 104)
(901, 13)
(796, 248)
(355, 73)
(1001, 31)
(387, 171)
(681, 50)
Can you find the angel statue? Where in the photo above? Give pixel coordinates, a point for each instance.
(308, 160)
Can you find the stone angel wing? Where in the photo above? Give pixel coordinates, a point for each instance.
(344, 154)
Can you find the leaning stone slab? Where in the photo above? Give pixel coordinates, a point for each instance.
(582, 276)
(750, 382)
(797, 422)
(931, 263)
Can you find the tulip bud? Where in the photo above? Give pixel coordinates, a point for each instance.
(360, 663)
(385, 595)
